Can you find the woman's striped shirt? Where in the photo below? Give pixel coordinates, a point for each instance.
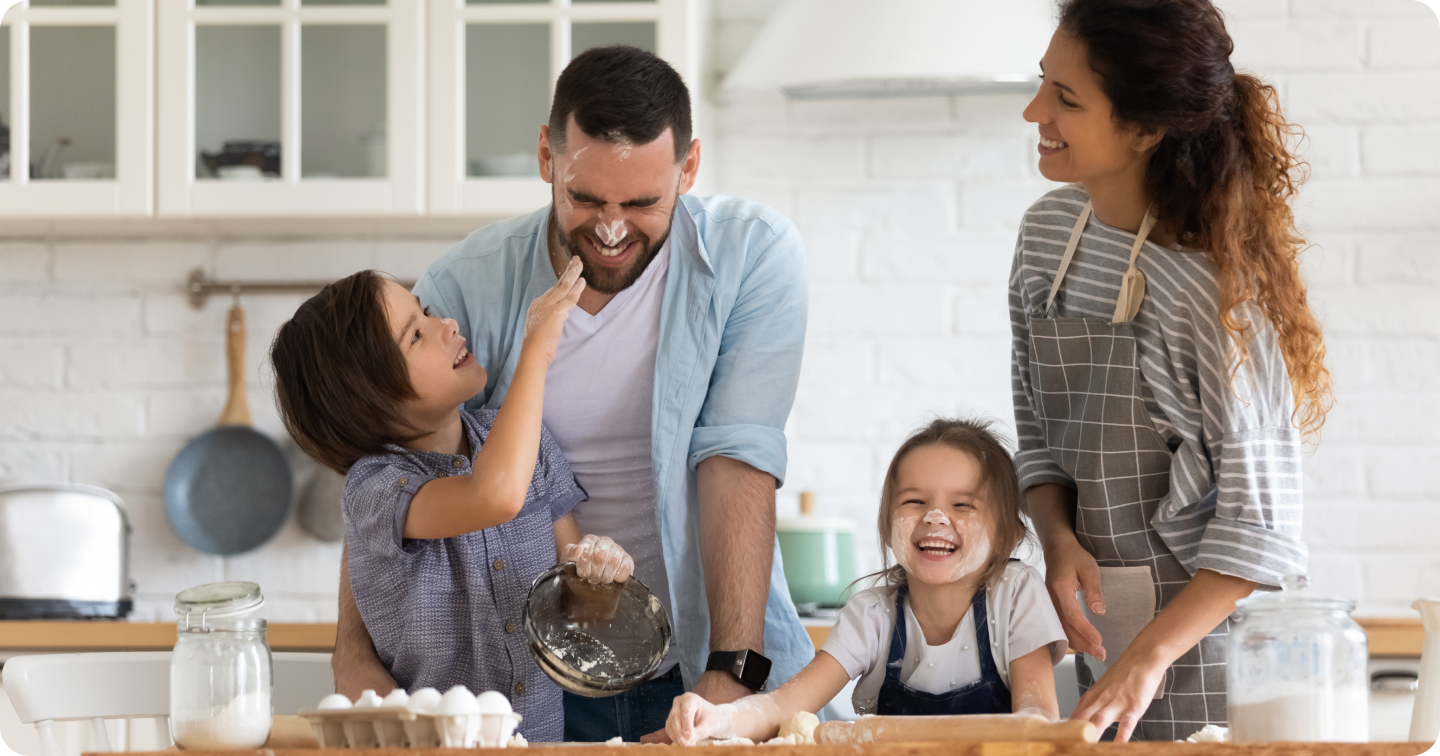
(1235, 498)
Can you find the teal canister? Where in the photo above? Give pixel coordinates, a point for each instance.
(819, 556)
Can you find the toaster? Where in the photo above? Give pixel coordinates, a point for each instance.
(64, 552)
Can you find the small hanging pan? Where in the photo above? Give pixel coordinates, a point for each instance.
(228, 490)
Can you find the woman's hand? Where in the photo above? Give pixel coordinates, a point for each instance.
(1070, 568)
(600, 560)
(693, 719)
(1123, 693)
(547, 314)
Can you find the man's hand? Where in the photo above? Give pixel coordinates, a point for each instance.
(737, 548)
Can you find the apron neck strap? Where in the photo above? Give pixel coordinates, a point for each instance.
(1077, 232)
(1070, 247)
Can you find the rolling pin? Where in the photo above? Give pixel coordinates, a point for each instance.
(967, 728)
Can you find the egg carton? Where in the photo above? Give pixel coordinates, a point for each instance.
(399, 727)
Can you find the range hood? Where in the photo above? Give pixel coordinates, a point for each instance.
(844, 49)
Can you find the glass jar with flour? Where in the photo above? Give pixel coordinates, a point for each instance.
(220, 671)
(1297, 669)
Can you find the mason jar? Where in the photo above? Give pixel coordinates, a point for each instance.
(221, 669)
(1297, 669)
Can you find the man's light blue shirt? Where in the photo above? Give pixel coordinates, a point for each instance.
(732, 331)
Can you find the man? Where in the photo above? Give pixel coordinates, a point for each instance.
(670, 388)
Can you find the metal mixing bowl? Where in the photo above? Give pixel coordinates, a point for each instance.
(595, 640)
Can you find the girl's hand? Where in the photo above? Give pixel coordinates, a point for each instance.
(600, 560)
(693, 719)
(547, 314)
(1123, 693)
(1070, 568)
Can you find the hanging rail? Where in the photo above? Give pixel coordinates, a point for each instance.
(201, 288)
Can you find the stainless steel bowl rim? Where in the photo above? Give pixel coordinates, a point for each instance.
(573, 679)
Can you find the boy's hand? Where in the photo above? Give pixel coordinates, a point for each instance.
(546, 316)
(693, 719)
(600, 560)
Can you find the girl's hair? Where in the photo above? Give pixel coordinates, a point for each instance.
(340, 378)
(1222, 175)
(999, 488)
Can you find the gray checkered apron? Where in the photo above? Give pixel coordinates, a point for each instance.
(1088, 399)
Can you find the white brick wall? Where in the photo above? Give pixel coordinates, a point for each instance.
(919, 326)
(909, 209)
(106, 371)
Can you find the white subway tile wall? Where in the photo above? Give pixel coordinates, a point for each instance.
(909, 209)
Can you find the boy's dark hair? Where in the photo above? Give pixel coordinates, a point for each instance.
(340, 379)
(621, 94)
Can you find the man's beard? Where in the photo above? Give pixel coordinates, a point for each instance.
(610, 280)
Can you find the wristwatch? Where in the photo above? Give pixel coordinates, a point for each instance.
(751, 668)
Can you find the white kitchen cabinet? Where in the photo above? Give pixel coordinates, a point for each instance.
(335, 86)
(492, 70)
(399, 108)
(78, 99)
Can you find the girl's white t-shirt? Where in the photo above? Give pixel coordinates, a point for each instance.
(860, 640)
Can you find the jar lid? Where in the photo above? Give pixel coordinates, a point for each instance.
(1294, 593)
(219, 600)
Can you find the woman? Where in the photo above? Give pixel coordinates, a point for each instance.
(1167, 364)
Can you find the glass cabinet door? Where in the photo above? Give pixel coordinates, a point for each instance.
(76, 131)
(291, 107)
(493, 66)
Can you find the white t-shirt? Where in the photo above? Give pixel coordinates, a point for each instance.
(598, 398)
(860, 640)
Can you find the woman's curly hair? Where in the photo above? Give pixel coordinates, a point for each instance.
(1222, 175)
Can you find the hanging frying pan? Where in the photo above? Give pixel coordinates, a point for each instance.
(228, 490)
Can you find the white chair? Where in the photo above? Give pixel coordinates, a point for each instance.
(49, 688)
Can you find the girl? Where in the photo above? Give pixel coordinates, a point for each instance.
(1166, 362)
(449, 514)
(954, 628)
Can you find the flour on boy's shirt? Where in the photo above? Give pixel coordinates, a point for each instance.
(450, 611)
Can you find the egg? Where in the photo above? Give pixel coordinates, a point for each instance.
(368, 698)
(397, 697)
(425, 701)
(334, 701)
(493, 702)
(458, 700)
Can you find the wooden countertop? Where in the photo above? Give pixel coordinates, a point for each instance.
(908, 749)
(119, 635)
(1389, 636)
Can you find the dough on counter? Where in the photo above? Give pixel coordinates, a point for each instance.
(615, 741)
(1210, 734)
(801, 726)
(727, 741)
(518, 741)
(782, 740)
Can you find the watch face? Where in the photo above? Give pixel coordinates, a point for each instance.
(756, 670)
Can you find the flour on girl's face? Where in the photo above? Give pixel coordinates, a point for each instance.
(969, 533)
(900, 530)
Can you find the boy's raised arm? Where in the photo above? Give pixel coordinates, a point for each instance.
(495, 489)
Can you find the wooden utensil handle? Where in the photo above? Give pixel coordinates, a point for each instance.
(971, 728)
(237, 406)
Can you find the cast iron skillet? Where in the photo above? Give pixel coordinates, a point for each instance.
(228, 490)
